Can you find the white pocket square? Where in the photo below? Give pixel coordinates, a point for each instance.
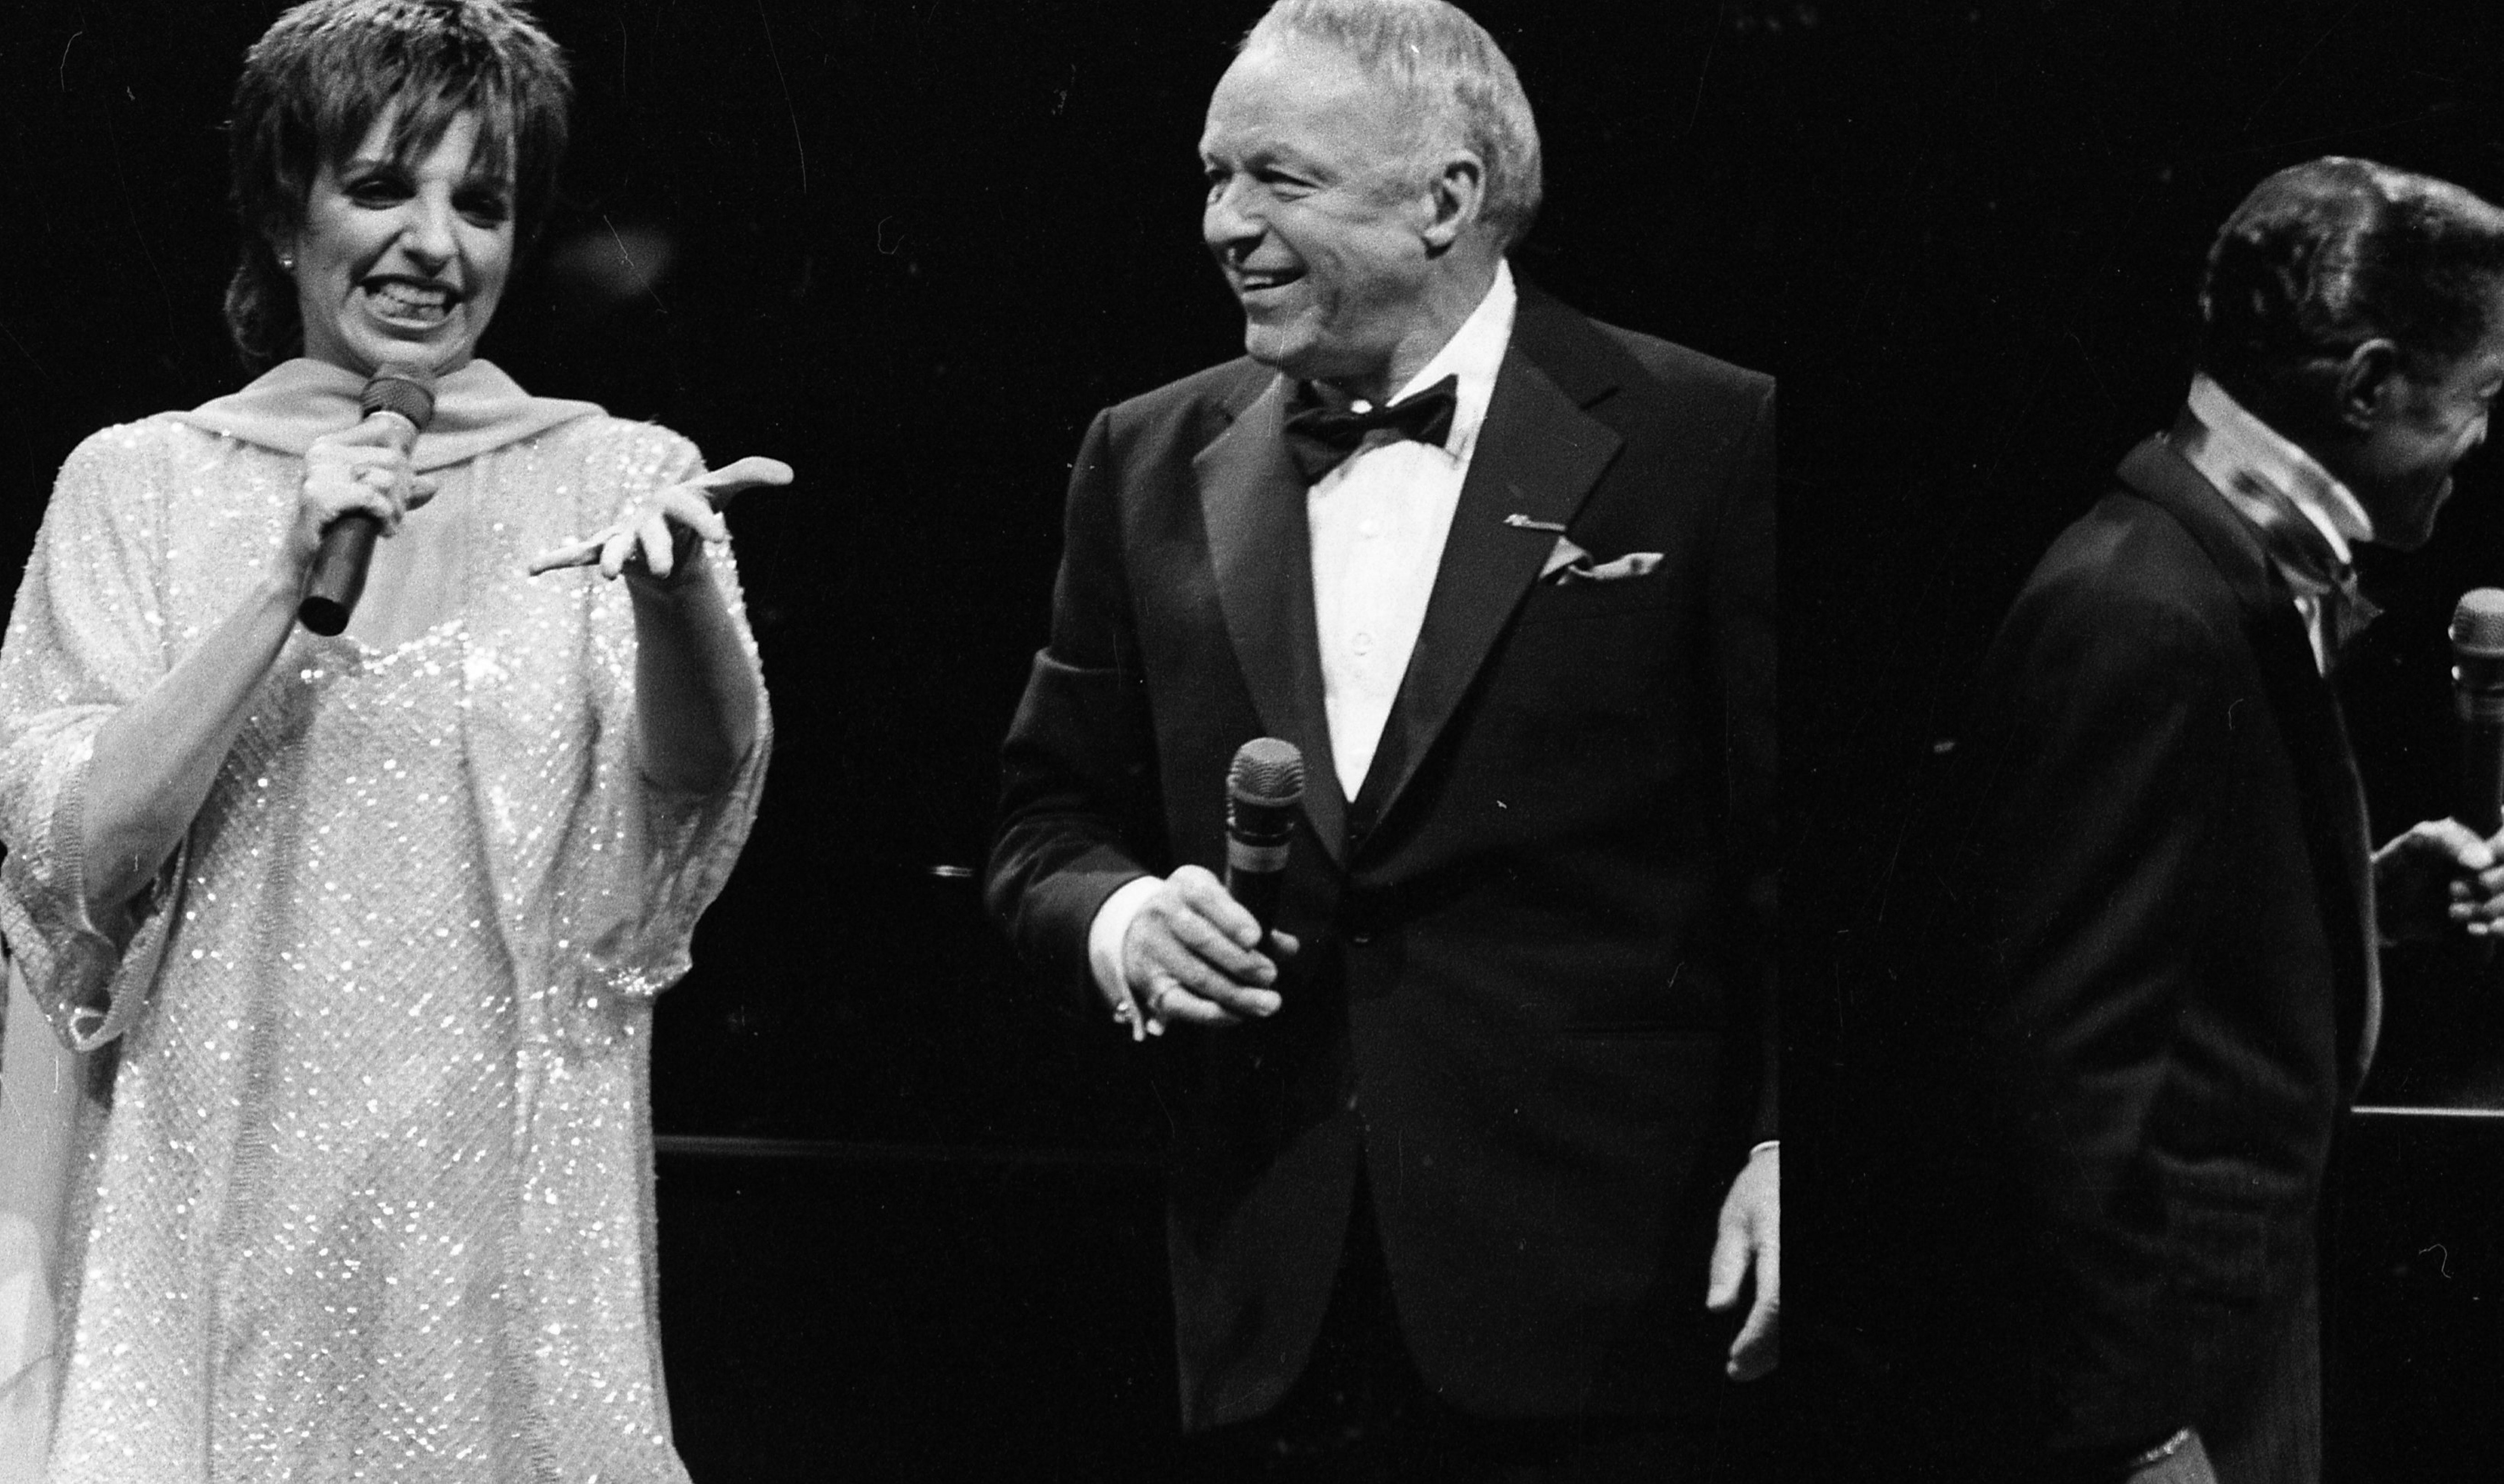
(1569, 563)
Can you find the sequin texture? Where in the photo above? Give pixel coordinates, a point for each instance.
(366, 1191)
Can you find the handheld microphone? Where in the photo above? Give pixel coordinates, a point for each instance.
(401, 400)
(2478, 700)
(1263, 790)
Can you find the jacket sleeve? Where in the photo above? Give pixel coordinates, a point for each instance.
(1078, 807)
(2094, 835)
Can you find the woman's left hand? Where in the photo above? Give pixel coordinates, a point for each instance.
(657, 538)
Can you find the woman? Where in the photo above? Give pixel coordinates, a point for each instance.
(350, 943)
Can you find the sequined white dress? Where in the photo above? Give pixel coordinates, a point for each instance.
(361, 1188)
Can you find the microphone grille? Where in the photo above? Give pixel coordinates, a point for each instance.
(2477, 623)
(1270, 771)
(404, 387)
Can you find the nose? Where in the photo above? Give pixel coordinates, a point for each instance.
(427, 234)
(1225, 223)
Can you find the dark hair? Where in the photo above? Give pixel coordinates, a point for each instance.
(317, 80)
(2325, 255)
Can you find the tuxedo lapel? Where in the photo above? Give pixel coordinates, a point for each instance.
(2307, 711)
(1537, 457)
(1260, 549)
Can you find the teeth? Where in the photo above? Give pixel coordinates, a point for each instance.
(412, 300)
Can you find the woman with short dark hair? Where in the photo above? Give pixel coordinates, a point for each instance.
(341, 950)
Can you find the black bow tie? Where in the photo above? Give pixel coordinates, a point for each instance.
(2299, 547)
(1321, 438)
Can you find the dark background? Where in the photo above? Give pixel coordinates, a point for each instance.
(909, 1211)
(2027, 193)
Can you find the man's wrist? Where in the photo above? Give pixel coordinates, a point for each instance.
(1108, 931)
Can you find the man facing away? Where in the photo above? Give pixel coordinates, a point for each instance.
(1460, 1150)
(2152, 983)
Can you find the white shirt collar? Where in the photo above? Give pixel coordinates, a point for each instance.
(1474, 355)
(2239, 445)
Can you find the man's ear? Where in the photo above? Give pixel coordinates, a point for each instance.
(1455, 196)
(2369, 381)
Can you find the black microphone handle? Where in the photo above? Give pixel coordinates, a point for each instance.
(1257, 891)
(2482, 772)
(338, 577)
(1257, 838)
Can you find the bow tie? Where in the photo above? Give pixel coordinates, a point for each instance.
(1321, 438)
(2300, 549)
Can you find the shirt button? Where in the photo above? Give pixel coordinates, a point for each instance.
(1369, 529)
(1363, 644)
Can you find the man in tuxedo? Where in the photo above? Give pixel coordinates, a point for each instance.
(2154, 980)
(1461, 1151)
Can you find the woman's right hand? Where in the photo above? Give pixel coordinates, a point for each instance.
(359, 469)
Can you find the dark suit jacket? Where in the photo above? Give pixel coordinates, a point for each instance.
(1530, 1000)
(2141, 999)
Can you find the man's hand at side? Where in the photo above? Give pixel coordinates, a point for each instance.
(1751, 1238)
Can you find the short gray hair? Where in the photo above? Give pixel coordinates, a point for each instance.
(1447, 65)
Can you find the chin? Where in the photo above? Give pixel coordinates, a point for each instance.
(2412, 535)
(1277, 348)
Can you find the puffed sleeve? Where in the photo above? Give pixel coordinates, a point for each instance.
(84, 640)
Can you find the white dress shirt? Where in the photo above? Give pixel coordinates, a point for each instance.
(1377, 526)
(1378, 523)
(2236, 446)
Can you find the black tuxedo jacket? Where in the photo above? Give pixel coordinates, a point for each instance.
(2143, 1002)
(1531, 1001)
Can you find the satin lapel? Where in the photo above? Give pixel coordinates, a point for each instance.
(2309, 712)
(1259, 553)
(1538, 454)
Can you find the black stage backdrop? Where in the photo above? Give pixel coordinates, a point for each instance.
(910, 248)
(2026, 192)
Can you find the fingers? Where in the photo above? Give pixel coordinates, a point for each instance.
(2455, 842)
(688, 508)
(2477, 904)
(1731, 1249)
(656, 544)
(1166, 1001)
(1758, 1349)
(646, 539)
(614, 551)
(580, 553)
(340, 478)
(748, 474)
(1738, 1251)
(1191, 954)
(329, 492)
(2476, 889)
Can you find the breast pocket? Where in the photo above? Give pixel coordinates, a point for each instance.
(1553, 602)
(1587, 650)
